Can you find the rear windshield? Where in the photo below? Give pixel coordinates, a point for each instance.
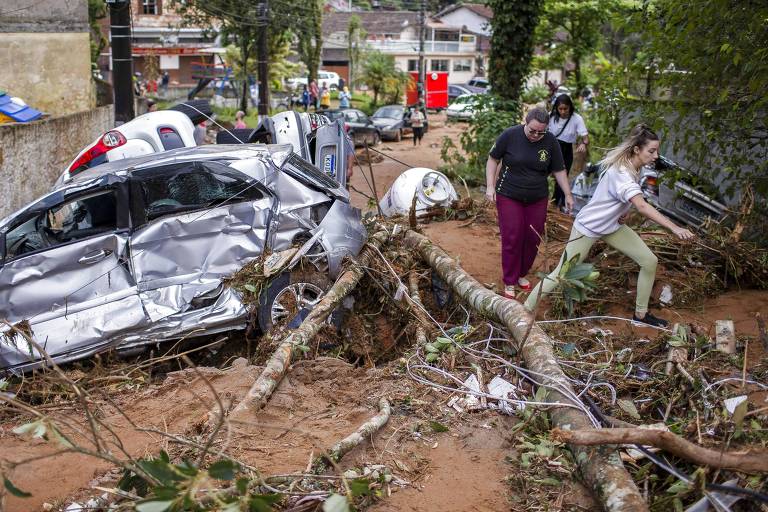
(308, 174)
(334, 114)
(392, 112)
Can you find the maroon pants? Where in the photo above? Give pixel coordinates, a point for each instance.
(521, 226)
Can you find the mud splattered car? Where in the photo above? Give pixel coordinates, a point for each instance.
(135, 251)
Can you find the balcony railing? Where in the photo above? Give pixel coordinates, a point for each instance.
(406, 46)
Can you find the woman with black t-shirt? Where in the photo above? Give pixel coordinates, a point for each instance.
(516, 180)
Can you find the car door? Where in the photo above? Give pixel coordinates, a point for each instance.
(198, 222)
(331, 151)
(367, 128)
(65, 270)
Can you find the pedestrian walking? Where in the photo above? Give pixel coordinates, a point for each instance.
(516, 180)
(344, 98)
(325, 97)
(239, 122)
(617, 191)
(417, 124)
(164, 81)
(314, 94)
(567, 126)
(305, 97)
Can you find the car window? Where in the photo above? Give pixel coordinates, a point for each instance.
(192, 188)
(362, 118)
(71, 220)
(389, 112)
(351, 116)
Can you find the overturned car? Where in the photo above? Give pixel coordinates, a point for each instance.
(136, 251)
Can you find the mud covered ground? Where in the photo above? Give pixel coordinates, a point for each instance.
(443, 460)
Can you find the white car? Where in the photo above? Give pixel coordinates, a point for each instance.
(329, 78)
(462, 108)
(149, 133)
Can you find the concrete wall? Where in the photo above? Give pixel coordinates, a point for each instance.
(33, 155)
(45, 54)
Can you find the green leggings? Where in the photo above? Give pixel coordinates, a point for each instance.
(624, 240)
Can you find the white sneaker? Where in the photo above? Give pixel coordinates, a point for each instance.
(524, 284)
(509, 291)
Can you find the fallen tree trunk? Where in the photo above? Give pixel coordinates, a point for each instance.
(749, 461)
(355, 439)
(601, 467)
(278, 364)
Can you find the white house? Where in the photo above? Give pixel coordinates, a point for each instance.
(475, 18)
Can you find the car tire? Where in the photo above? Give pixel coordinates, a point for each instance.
(376, 139)
(288, 294)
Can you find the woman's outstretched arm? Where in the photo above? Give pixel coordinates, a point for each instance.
(652, 213)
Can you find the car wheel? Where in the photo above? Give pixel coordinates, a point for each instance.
(399, 136)
(289, 296)
(376, 139)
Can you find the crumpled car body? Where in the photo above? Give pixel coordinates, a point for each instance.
(135, 251)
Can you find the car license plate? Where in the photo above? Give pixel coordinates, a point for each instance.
(329, 165)
(694, 209)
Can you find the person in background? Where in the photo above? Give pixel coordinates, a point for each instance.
(200, 133)
(239, 123)
(314, 94)
(344, 98)
(567, 126)
(325, 97)
(417, 124)
(305, 97)
(342, 84)
(151, 106)
(516, 180)
(164, 82)
(617, 191)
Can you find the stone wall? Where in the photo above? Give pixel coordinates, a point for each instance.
(33, 155)
(45, 54)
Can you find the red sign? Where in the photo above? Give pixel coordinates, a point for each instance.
(165, 50)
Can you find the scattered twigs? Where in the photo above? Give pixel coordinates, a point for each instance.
(353, 440)
(278, 364)
(763, 332)
(373, 180)
(601, 469)
(413, 285)
(749, 461)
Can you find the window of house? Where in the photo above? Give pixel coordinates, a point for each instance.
(413, 64)
(462, 64)
(150, 6)
(438, 65)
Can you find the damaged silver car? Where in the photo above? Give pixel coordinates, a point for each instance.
(136, 251)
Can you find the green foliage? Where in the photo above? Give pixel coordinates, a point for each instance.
(512, 44)
(535, 94)
(703, 78)
(166, 486)
(492, 116)
(582, 23)
(383, 77)
(574, 281)
(15, 491)
(446, 345)
(310, 33)
(97, 10)
(355, 41)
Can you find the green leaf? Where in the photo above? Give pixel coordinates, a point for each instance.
(432, 357)
(3, 384)
(360, 487)
(678, 487)
(153, 506)
(738, 414)
(224, 469)
(336, 503)
(36, 429)
(628, 407)
(437, 427)
(242, 485)
(59, 438)
(160, 470)
(263, 502)
(429, 347)
(251, 288)
(15, 490)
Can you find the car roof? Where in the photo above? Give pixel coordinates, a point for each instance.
(207, 152)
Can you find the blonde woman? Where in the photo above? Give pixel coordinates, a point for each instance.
(616, 193)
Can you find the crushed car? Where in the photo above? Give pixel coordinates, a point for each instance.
(673, 190)
(136, 251)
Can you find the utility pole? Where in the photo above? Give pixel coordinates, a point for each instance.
(122, 61)
(263, 52)
(422, 36)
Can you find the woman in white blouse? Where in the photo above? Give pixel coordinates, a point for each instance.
(567, 126)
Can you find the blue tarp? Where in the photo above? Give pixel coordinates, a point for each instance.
(19, 113)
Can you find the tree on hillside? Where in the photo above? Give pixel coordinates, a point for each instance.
(512, 44)
(713, 66)
(355, 41)
(572, 30)
(381, 75)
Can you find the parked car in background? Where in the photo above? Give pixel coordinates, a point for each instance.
(462, 108)
(480, 82)
(456, 90)
(135, 251)
(330, 78)
(394, 121)
(359, 126)
(672, 189)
